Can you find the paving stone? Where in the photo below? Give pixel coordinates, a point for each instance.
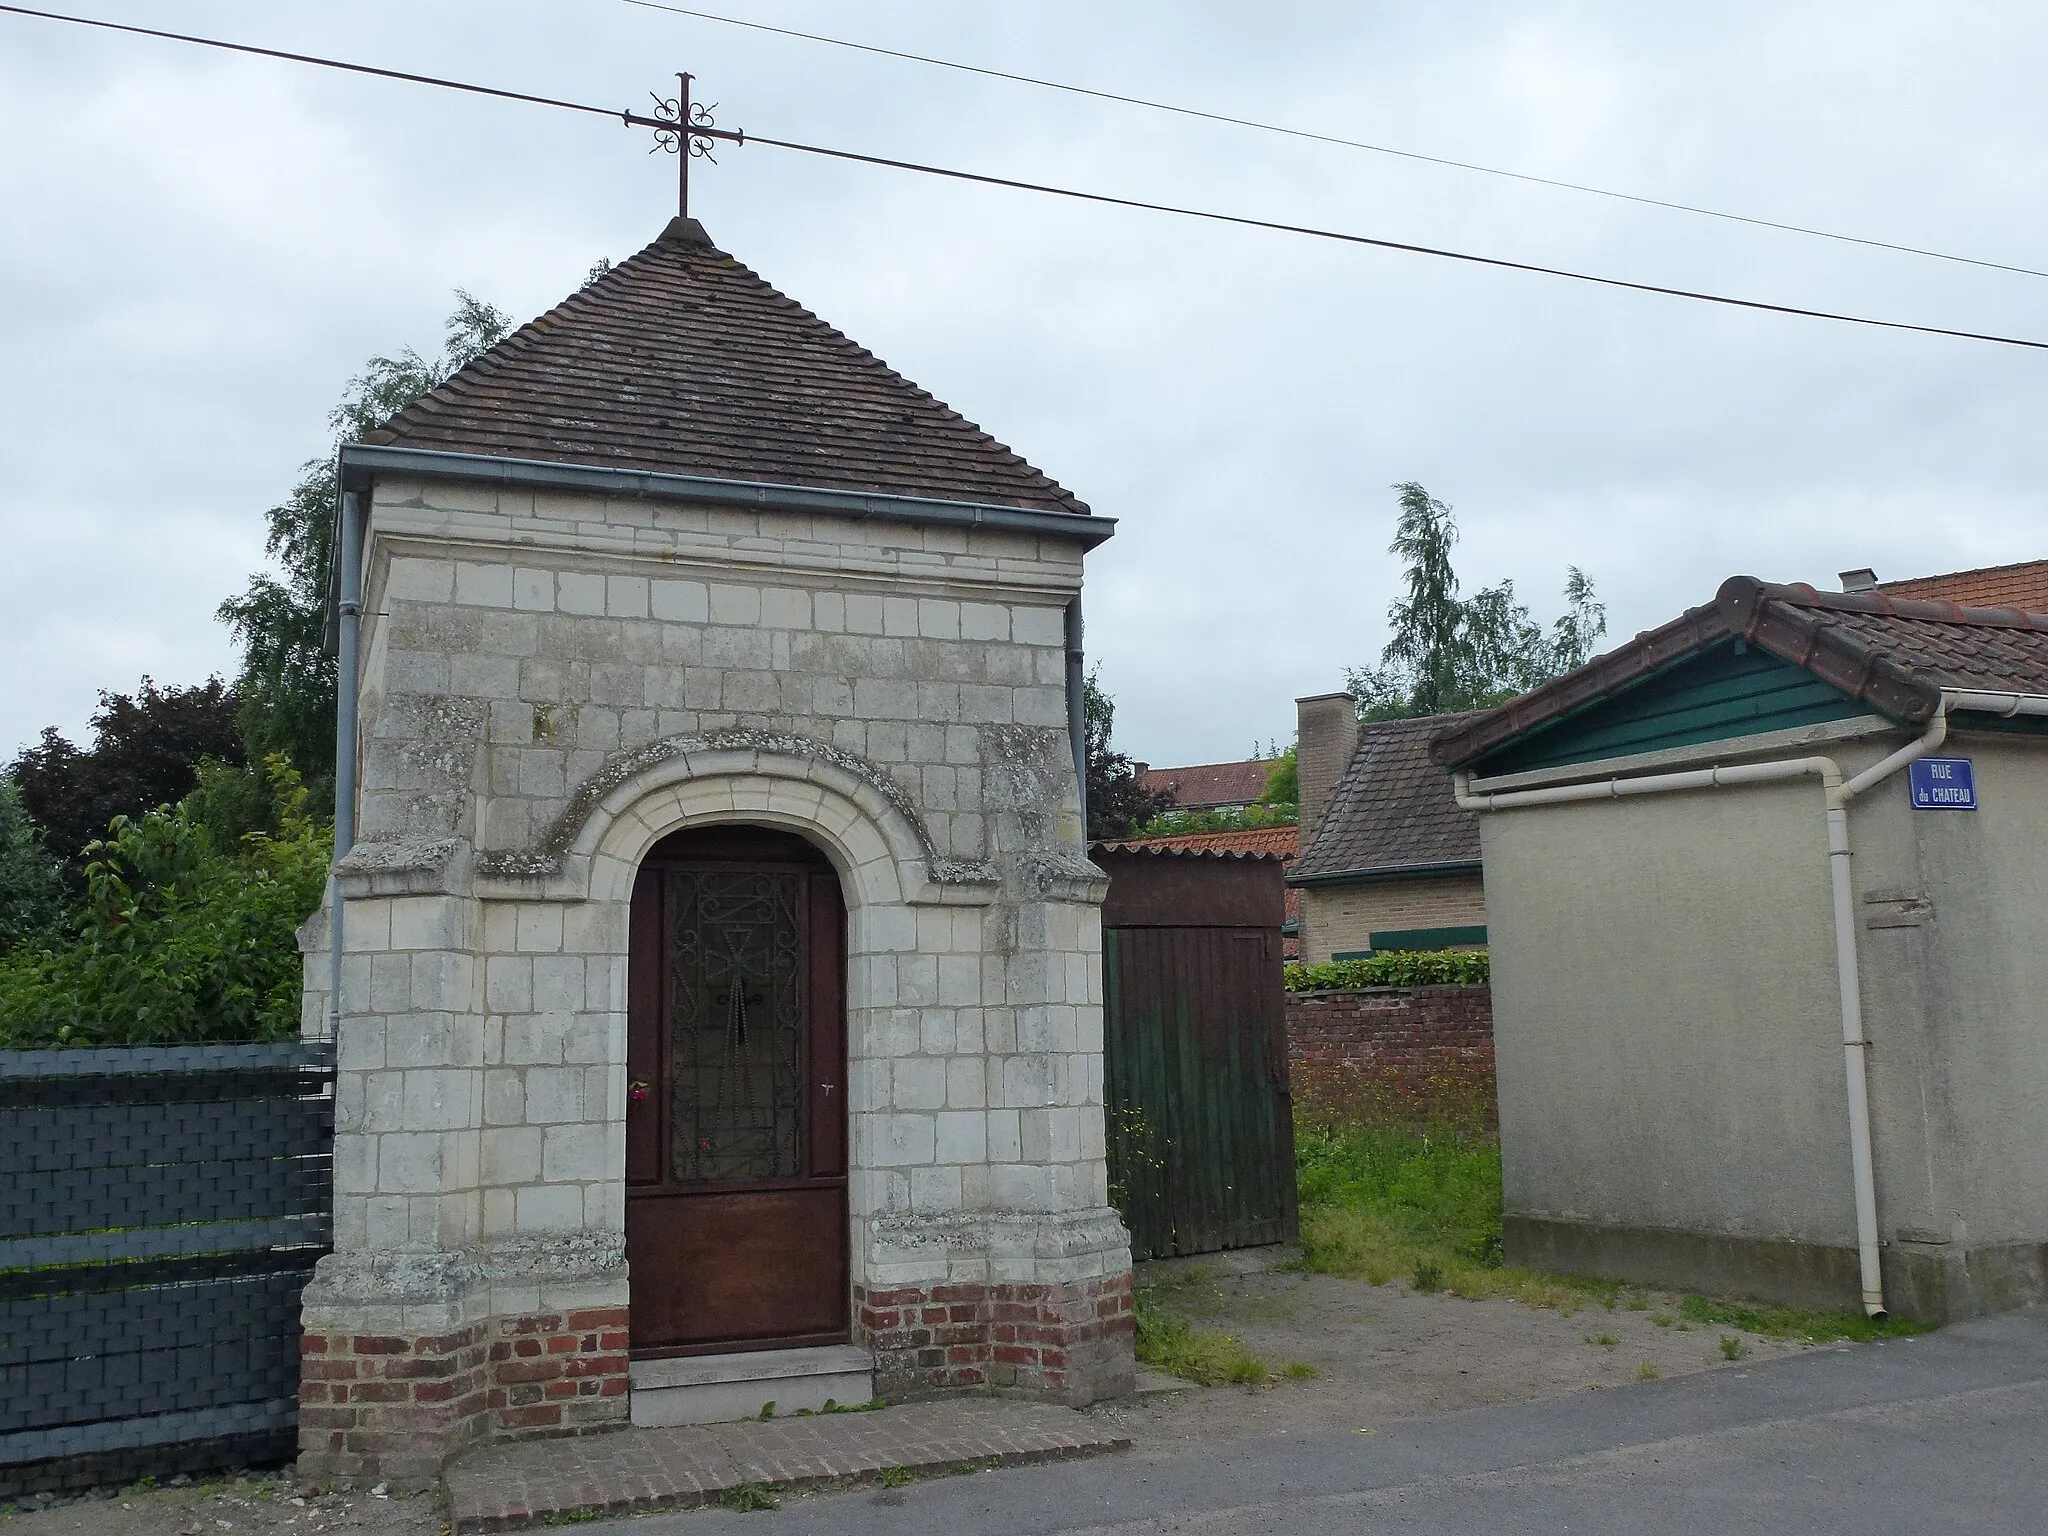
(506, 1487)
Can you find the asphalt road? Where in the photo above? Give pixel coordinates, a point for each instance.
(1943, 1433)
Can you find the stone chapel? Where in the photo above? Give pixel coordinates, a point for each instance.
(719, 1017)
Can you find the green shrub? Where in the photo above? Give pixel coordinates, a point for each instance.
(1394, 968)
(177, 941)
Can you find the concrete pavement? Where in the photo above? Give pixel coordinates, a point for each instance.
(1939, 1433)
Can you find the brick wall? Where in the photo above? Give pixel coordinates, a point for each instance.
(1071, 1341)
(395, 1407)
(1409, 1051)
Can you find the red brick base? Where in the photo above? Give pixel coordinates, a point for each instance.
(398, 1408)
(1068, 1342)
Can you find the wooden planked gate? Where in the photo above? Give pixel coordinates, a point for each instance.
(1199, 1114)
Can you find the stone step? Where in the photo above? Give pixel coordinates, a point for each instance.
(716, 1389)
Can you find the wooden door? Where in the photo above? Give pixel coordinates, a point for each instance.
(736, 1225)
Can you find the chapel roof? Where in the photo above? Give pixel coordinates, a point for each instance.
(681, 360)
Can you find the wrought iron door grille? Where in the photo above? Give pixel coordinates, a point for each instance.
(736, 972)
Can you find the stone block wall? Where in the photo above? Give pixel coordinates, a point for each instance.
(550, 685)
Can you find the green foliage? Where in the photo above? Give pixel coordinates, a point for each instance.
(1210, 1356)
(1771, 1321)
(1174, 823)
(145, 752)
(1117, 800)
(31, 896)
(178, 940)
(286, 684)
(1449, 653)
(1394, 968)
(1283, 781)
(747, 1499)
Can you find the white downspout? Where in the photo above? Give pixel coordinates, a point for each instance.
(1838, 793)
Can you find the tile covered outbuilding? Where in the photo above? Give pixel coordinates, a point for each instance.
(721, 960)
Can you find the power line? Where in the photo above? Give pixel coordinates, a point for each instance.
(1343, 143)
(1107, 199)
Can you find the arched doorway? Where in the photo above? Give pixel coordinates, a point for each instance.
(736, 1125)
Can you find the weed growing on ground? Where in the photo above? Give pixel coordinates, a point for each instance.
(1604, 1340)
(1300, 1370)
(896, 1477)
(1399, 1177)
(1731, 1347)
(748, 1498)
(1774, 1322)
(1206, 1355)
(1646, 1372)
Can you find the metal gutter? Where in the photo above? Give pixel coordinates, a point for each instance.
(1379, 872)
(348, 608)
(1077, 709)
(361, 461)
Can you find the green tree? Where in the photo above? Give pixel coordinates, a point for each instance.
(31, 895)
(1283, 779)
(146, 750)
(287, 679)
(1450, 653)
(1118, 801)
(177, 940)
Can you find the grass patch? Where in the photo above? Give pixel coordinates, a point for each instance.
(1646, 1372)
(1769, 1321)
(748, 1498)
(1300, 1370)
(1209, 1356)
(1401, 1180)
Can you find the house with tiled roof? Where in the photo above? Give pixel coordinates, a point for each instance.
(1210, 786)
(2023, 585)
(1388, 860)
(713, 949)
(1767, 899)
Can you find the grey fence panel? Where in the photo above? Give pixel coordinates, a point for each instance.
(160, 1213)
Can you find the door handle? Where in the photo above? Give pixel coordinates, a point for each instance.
(637, 1091)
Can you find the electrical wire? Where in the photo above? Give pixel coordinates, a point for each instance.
(1335, 139)
(1107, 199)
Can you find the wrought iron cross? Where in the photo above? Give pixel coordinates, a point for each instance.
(686, 129)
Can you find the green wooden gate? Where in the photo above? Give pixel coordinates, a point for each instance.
(1200, 1122)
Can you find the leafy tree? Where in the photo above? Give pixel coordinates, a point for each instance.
(1450, 653)
(1283, 779)
(287, 678)
(31, 895)
(177, 940)
(1117, 800)
(1174, 822)
(146, 751)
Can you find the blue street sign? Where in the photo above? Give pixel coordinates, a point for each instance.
(1942, 784)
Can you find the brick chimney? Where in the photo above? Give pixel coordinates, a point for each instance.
(1329, 735)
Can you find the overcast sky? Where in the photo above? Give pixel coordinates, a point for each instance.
(197, 250)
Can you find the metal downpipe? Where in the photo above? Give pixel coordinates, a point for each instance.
(349, 608)
(1077, 709)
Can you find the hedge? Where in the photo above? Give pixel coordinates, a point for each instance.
(1394, 968)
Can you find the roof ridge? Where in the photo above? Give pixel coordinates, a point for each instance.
(1937, 610)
